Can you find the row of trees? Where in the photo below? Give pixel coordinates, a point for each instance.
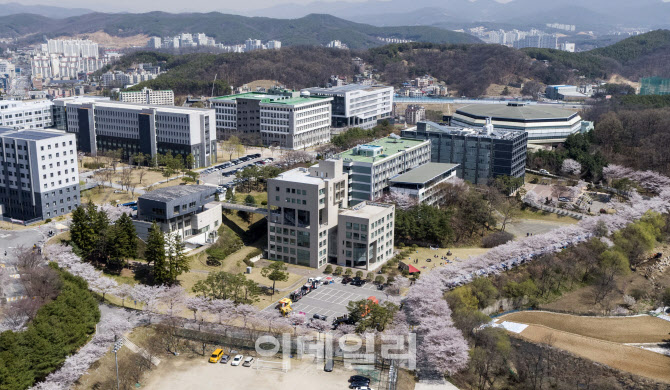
(100, 240)
(58, 329)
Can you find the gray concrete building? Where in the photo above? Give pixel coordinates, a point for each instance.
(307, 212)
(189, 211)
(422, 184)
(481, 154)
(139, 128)
(39, 177)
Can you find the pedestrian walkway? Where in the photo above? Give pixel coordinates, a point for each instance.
(131, 346)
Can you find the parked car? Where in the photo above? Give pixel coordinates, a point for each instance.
(320, 317)
(346, 280)
(359, 385)
(224, 359)
(248, 361)
(358, 282)
(359, 378)
(237, 360)
(563, 199)
(544, 171)
(216, 356)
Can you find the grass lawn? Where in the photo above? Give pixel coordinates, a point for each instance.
(102, 195)
(426, 253)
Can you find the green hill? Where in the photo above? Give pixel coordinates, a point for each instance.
(314, 29)
(645, 54)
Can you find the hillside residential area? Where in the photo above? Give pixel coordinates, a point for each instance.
(396, 195)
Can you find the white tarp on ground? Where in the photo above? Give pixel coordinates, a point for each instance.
(512, 326)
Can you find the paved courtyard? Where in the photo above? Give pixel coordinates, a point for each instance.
(331, 300)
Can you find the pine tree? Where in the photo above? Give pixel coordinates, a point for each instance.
(126, 236)
(82, 232)
(155, 253)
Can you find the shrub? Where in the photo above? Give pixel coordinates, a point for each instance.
(328, 270)
(666, 297)
(638, 294)
(497, 238)
(48, 220)
(359, 274)
(264, 203)
(93, 165)
(401, 245)
(338, 271)
(253, 253)
(213, 261)
(370, 276)
(348, 272)
(379, 279)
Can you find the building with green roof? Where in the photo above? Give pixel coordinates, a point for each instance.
(283, 118)
(371, 166)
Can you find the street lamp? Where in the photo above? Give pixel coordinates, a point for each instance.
(117, 346)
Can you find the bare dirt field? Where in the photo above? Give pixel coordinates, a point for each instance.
(641, 329)
(623, 357)
(196, 373)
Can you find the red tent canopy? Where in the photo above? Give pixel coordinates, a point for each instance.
(412, 269)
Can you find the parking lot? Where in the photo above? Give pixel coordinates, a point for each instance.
(216, 176)
(331, 300)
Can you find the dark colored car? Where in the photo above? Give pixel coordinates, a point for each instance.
(358, 282)
(356, 385)
(320, 317)
(359, 378)
(346, 280)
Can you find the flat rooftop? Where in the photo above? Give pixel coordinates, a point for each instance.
(167, 194)
(348, 88)
(271, 98)
(30, 134)
(366, 210)
(515, 112)
(299, 175)
(391, 146)
(424, 173)
(139, 106)
(465, 131)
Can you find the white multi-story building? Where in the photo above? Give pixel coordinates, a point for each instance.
(253, 44)
(39, 178)
(309, 223)
(26, 114)
(140, 128)
(148, 96)
(273, 45)
(155, 43)
(371, 166)
(357, 105)
(281, 118)
(414, 113)
(67, 58)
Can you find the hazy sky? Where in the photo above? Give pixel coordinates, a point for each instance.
(174, 5)
(165, 5)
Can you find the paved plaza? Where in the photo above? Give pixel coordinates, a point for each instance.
(331, 299)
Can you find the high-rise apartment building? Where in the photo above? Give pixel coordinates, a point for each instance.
(39, 177)
(279, 117)
(26, 114)
(139, 128)
(309, 223)
(482, 154)
(148, 96)
(357, 105)
(371, 166)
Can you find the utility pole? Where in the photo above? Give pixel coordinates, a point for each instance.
(213, 83)
(117, 346)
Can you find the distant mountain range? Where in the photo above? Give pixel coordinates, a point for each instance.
(43, 10)
(315, 29)
(585, 14)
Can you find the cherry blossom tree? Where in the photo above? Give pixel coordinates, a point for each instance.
(103, 285)
(402, 201)
(174, 300)
(571, 167)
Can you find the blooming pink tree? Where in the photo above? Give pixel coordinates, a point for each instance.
(174, 300)
(103, 285)
(571, 167)
(198, 305)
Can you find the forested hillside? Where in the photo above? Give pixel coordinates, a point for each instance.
(646, 54)
(315, 29)
(468, 69)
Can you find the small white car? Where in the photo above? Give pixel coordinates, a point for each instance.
(248, 361)
(237, 360)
